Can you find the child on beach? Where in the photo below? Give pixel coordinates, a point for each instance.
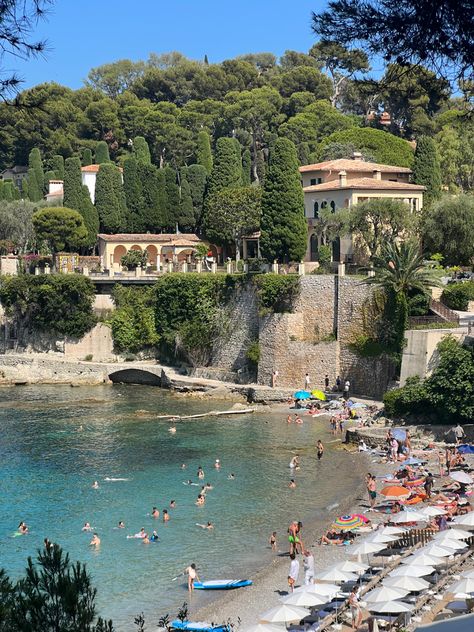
(273, 541)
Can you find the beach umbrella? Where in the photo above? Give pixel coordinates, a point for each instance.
(410, 570)
(436, 550)
(410, 461)
(468, 574)
(395, 492)
(422, 559)
(323, 590)
(390, 607)
(407, 515)
(347, 523)
(335, 575)
(385, 593)
(413, 584)
(366, 548)
(381, 538)
(351, 567)
(416, 482)
(464, 585)
(399, 434)
(467, 520)
(358, 405)
(462, 477)
(432, 511)
(305, 599)
(284, 614)
(265, 627)
(319, 395)
(399, 531)
(456, 534)
(449, 543)
(302, 395)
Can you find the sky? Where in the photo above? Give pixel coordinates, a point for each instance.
(84, 34)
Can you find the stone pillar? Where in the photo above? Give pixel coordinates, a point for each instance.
(370, 273)
(246, 267)
(185, 266)
(275, 267)
(229, 266)
(213, 267)
(170, 266)
(301, 268)
(199, 265)
(111, 271)
(138, 272)
(341, 269)
(47, 269)
(37, 270)
(85, 271)
(158, 263)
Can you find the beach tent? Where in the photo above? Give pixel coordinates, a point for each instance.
(463, 623)
(305, 599)
(455, 533)
(393, 531)
(385, 593)
(449, 542)
(461, 477)
(435, 549)
(410, 570)
(324, 590)
(366, 548)
(413, 584)
(465, 449)
(335, 575)
(465, 521)
(284, 614)
(382, 538)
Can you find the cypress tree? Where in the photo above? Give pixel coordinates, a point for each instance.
(16, 192)
(110, 199)
(76, 197)
(49, 175)
(186, 218)
(196, 175)
(246, 168)
(171, 214)
(283, 226)
(86, 157)
(227, 168)
(36, 164)
(141, 150)
(426, 168)
(1, 189)
(24, 189)
(203, 152)
(34, 192)
(132, 185)
(7, 191)
(57, 165)
(101, 153)
(154, 196)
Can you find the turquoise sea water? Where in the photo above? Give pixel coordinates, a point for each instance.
(48, 465)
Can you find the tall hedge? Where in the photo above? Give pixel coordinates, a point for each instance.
(171, 214)
(204, 153)
(283, 225)
(133, 196)
(227, 169)
(186, 218)
(426, 168)
(86, 157)
(141, 150)
(110, 199)
(154, 196)
(101, 153)
(246, 168)
(57, 165)
(36, 165)
(196, 175)
(35, 194)
(77, 197)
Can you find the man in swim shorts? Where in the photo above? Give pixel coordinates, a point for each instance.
(293, 536)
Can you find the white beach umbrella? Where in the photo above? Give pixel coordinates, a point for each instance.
(407, 516)
(390, 607)
(266, 627)
(335, 575)
(382, 538)
(350, 567)
(305, 599)
(468, 574)
(467, 520)
(433, 511)
(366, 548)
(436, 550)
(422, 559)
(411, 570)
(284, 614)
(450, 543)
(323, 590)
(385, 593)
(464, 585)
(462, 477)
(413, 584)
(456, 533)
(398, 531)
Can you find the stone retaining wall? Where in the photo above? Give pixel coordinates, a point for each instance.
(29, 369)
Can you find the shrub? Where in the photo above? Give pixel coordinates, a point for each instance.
(325, 255)
(276, 293)
(134, 258)
(458, 295)
(133, 322)
(412, 398)
(366, 347)
(253, 352)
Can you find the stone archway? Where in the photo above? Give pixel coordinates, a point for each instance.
(136, 247)
(119, 252)
(135, 376)
(152, 254)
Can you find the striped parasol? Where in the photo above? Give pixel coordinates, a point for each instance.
(346, 523)
(395, 492)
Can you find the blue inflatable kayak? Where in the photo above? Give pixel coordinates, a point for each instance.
(198, 626)
(222, 584)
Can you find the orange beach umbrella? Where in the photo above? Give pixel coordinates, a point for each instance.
(395, 492)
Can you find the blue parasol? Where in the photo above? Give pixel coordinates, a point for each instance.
(399, 434)
(410, 461)
(302, 395)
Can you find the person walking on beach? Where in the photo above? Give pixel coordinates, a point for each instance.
(308, 567)
(274, 379)
(294, 572)
(326, 382)
(192, 576)
(347, 387)
(458, 433)
(273, 541)
(320, 449)
(306, 382)
(428, 484)
(338, 383)
(356, 612)
(372, 489)
(293, 536)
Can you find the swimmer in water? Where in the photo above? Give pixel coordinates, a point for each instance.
(22, 528)
(154, 537)
(137, 536)
(95, 485)
(200, 500)
(80, 429)
(166, 515)
(121, 524)
(87, 527)
(298, 420)
(320, 449)
(95, 540)
(155, 513)
(217, 464)
(231, 477)
(208, 486)
(200, 472)
(146, 539)
(295, 462)
(183, 466)
(292, 484)
(172, 504)
(209, 525)
(288, 419)
(172, 429)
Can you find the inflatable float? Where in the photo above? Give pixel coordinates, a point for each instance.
(222, 584)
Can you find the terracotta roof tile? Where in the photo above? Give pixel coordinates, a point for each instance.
(149, 237)
(365, 183)
(93, 169)
(352, 165)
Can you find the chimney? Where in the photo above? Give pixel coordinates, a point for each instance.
(377, 174)
(357, 156)
(342, 178)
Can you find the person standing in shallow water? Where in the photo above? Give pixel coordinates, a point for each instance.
(320, 449)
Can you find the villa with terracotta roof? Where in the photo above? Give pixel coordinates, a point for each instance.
(88, 174)
(342, 183)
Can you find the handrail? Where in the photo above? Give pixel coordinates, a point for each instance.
(445, 312)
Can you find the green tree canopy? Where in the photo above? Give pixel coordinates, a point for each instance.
(76, 196)
(283, 225)
(35, 164)
(203, 152)
(141, 150)
(426, 169)
(61, 228)
(186, 219)
(227, 167)
(196, 175)
(102, 153)
(110, 198)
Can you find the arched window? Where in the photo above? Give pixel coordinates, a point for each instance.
(333, 206)
(324, 204)
(316, 210)
(314, 248)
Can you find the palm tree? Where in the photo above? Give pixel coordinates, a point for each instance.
(398, 269)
